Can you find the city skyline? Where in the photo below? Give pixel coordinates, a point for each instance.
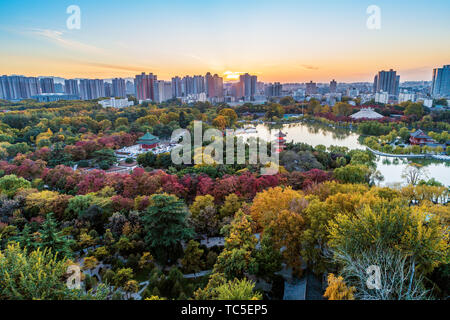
(287, 41)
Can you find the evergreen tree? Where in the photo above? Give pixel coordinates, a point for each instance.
(52, 239)
(165, 226)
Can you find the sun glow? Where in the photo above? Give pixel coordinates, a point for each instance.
(232, 76)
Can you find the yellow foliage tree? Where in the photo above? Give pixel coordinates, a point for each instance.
(338, 290)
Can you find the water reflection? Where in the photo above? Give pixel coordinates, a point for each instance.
(392, 169)
(320, 134)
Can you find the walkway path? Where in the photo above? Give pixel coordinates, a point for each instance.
(418, 156)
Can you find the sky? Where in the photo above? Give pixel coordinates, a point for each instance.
(277, 40)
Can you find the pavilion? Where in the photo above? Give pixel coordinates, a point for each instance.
(280, 139)
(366, 113)
(148, 141)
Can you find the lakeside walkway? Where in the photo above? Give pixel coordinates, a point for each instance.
(417, 156)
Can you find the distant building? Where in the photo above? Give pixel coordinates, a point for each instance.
(164, 91)
(273, 90)
(51, 97)
(199, 85)
(352, 92)
(71, 87)
(441, 82)
(47, 85)
(333, 86)
(130, 88)
(214, 87)
(176, 87)
(145, 86)
(382, 97)
(91, 89)
(108, 89)
(247, 86)
(19, 87)
(419, 138)
(387, 81)
(118, 88)
(311, 88)
(366, 113)
(116, 103)
(426, 102)
(404, 97)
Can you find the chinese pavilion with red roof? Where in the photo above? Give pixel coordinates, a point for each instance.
(419, 137)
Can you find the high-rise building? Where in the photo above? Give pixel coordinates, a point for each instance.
(144, 85)
(91, 89)
(273, 90)
(164, 91)
(176, 87)
(214, 87)
(118, 88)
(108, 89)
(209, 85)
(47, 85)
(247, 84)
(333, 86)
(199, 84)
(187, 86)
(387, 81)
(19, 87)
(130, 87)
(311, 88)
(237, 90)
(71, 87)
(441, 82)
(35, 86)
(59, 88)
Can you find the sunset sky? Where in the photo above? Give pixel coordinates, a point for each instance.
(283, 40)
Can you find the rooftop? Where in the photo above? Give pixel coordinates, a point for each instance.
(366, 113)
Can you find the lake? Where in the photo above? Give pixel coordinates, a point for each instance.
(318, 134)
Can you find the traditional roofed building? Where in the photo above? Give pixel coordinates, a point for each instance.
(366, 113)
(148, 141)
(280, 139)
(419, 137)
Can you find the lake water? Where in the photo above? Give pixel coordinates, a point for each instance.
(316, 135)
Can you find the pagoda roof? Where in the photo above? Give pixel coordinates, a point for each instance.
(366, 113)
(280, 134)
(148, 137)
(419, 134)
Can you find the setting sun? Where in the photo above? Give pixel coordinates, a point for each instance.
(231, 76)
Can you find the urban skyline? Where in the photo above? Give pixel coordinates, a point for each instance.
(148, 87)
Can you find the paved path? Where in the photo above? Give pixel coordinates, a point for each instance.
(295, 290)
(197, 275)
(417, 156)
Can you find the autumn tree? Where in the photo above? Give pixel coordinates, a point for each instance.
(37, 275)
(338, 290)
(237, 290)
(192, 262)
(237, 258)
(391, 224)
(204, 215)
(10, 184)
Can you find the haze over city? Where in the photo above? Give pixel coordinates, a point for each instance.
(286, 41)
